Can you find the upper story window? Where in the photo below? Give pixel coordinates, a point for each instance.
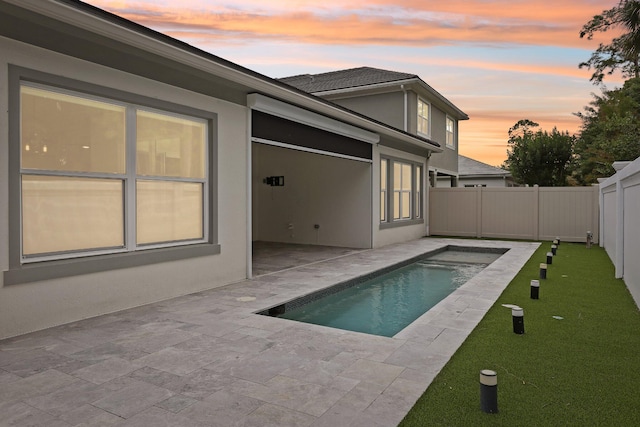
(400, 191)
(424, 115)
(451, 133)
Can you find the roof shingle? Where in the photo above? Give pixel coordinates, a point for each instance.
(343, 79)
(471, 167)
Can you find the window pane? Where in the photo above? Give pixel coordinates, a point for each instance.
(418, 190)
(397, 176)
(168, 211)
(69, 133)
(406, 177)
(170, 146)
(383, 189)
(396, 205)
(65, 214)
(406, 205)
(423, 117)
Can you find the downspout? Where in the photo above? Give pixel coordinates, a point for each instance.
(406, 100)
(427, 186)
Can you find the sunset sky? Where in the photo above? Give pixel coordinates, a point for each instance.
(498, 61)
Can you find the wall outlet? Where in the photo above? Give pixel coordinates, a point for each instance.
(316, 226)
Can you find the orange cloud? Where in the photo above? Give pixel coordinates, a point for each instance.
(413, 23)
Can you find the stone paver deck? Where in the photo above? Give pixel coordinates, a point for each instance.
(207, 360)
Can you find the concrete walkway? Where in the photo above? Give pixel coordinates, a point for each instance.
(207, 360)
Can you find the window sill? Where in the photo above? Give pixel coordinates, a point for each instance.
(47, 270)
(404, 223)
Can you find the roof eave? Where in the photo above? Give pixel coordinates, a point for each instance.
(459, 114)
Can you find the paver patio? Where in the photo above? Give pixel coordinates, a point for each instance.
(207, 359)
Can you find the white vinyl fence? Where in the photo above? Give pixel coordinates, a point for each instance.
(620, 224)
(530, 213)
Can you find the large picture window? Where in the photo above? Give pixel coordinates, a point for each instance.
(100, 175)
(404, 200)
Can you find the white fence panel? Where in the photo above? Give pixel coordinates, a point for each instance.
(620, 219)
(531, 213)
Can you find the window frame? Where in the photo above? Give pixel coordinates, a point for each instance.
(420, 117)
(452, 133)
(84, 262)
(416, 196)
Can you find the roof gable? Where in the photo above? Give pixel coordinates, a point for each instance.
(364, 78)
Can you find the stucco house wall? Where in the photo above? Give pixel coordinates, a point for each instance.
(330, 192)
(385, 107)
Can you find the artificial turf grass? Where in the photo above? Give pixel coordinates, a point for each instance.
(581, 370)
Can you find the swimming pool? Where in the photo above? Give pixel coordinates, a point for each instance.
(386, 302)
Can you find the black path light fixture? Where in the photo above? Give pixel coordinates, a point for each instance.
(535, 289)
(543, 270)
(517, 314)
(489, 391)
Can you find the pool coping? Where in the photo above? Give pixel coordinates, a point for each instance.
(292, 304)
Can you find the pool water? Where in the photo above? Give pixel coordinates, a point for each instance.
(386, 304)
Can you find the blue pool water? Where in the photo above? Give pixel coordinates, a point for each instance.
(386, 304)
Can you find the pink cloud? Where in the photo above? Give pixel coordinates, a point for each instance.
(533, 22)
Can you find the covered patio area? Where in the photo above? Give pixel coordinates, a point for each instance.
(270, 257)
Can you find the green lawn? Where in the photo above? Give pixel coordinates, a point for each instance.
(582, 370)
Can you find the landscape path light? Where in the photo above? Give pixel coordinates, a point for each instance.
(517, 314)
(543, 271)
(535, 289)
(489, 391)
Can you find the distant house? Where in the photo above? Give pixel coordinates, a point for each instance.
(136, 168)
(473, 173)
(398, 99)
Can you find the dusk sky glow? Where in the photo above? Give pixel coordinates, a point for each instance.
(498, 61)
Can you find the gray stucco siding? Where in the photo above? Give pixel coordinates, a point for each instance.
(385, 107)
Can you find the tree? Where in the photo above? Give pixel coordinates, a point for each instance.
(538, 157)
(610, 132)
(623, 53)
